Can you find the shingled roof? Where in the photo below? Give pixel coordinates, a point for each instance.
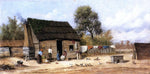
(49, 30)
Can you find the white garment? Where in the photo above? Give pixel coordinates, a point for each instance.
(76, 45)
(95, 47)
(49, 50)
(83, 48)
(113, 46)
(62, 57)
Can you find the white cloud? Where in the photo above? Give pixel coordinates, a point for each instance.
(51, 15)
(147, 18)
(133, 36)
(0, 15)
(131, 23)
(123, 18)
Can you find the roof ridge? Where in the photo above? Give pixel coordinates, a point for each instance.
(46, 20)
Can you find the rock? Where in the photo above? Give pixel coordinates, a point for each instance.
(99, 63)
(97, 58)
(88, 59)
(57, 63)
(71, 65)
(6, 67)
(77, 65)
(20, 62)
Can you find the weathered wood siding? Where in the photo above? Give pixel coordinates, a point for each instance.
(17, 51)
(66, 44)
(4, 51)
(11, 48)
(46, 45)
(11, 51)
(142, 50)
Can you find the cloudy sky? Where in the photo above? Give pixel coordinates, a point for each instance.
(128, 19)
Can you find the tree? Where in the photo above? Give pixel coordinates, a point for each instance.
(12, 31)
(87, 21)
(104, 38)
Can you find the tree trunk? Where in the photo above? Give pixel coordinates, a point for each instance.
(92, 35)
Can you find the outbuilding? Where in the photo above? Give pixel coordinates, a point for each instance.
(44, 34)
(142, 51)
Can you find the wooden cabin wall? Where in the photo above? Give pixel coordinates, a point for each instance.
(53, 44)
(11, 48)
(4, 52)
(17, 51)
(11, 51)
(67, 43)
(45, 45)
(142, 51)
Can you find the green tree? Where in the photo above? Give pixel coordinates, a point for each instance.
(87, 21)
(12, 31)
(102, 39)
(105, 38)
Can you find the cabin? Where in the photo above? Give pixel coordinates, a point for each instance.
(142, 51)
(44, 34)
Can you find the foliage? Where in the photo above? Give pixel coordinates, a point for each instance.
(12, 31)
(102, 39)
(87, 21)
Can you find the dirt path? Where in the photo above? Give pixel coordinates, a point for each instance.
(99, 69)
(96, 67)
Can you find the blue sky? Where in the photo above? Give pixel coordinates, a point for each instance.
(128, 19)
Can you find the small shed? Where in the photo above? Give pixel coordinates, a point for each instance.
(11, 48)
(44, 34)
(117, 58)
(142, 51)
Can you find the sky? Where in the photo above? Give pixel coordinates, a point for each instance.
(127, 19)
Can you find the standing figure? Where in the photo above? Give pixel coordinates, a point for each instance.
(65, 54)
(50, 54)
(39, 58)
(58, 56)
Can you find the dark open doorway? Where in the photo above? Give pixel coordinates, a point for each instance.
(59, 47)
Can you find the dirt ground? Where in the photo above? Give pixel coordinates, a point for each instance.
(83, 66)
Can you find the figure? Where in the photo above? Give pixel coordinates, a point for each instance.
(50, 54)
(58, 56)
(65, 54)
(39, 59)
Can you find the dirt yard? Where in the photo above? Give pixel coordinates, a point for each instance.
(89, 65)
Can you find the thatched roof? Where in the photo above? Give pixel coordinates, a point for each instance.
(11, 43)
(143, 50)
(48, 30)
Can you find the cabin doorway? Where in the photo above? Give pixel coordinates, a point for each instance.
(59, 47)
